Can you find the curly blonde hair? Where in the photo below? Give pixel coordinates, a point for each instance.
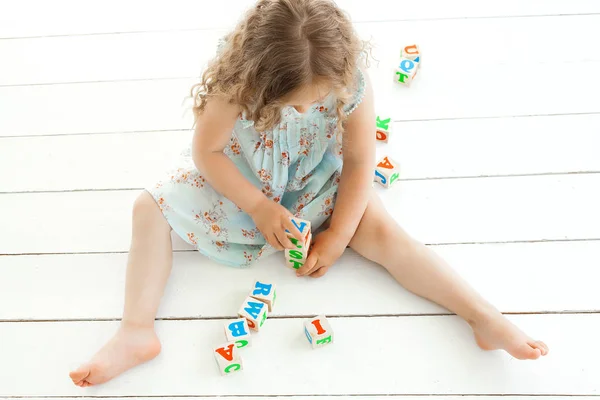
(279, 47)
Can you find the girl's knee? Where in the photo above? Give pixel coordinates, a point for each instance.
(146, 210)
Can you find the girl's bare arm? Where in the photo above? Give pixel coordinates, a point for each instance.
(212, 134)
(358, 144)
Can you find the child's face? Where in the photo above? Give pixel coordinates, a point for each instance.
(303, 98)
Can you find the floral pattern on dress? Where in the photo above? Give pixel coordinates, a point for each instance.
(296, 164)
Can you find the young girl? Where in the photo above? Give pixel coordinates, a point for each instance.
(284, 100)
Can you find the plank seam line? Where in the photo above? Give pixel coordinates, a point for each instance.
(225, 29)
(427, 244)
(300, 316)
(395, 121)
(299, 395)
(437, 178)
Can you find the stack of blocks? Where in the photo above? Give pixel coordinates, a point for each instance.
(297, 257)
(410, 59)
(253, 315)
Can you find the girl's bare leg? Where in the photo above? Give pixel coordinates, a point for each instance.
(148, 268)
(420, 270)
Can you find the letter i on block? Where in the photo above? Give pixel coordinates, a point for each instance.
(387, 172)
(228, 358)
(383, 129)
(264, 292)
(255, 312)
(238, 332)
(406, 71)
(318, 331)
(297, 257)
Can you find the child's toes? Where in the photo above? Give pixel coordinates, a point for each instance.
(541, 346)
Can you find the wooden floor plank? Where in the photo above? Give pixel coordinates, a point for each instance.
(375, 356)
(441, 211)
(441, 92)
(167, 54)
(425, 149)
(18, 20)
(524, 277)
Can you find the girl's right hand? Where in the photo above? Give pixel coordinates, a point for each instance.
(272, 220)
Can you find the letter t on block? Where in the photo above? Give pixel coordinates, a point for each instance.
(318, 331)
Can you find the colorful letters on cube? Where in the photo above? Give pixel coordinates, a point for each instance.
(318, 332)
(411, 52)
(255, 312)
(383, 128)
(264, 292)
(238, 332)
(297, 257)
(228, 358)
(406, 71)
(387, 172)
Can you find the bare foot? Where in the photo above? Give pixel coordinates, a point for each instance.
(494, 331)
(128, 348)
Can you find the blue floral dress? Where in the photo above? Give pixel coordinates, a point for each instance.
(297, 164)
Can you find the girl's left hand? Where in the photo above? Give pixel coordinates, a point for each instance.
(324, 251)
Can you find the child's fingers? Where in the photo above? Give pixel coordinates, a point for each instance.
(273, 241)
(309, 265)
(284, 240)
(319, 273)
(289, 225)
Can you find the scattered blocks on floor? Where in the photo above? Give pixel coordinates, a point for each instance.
(297, 257)
(238, 332)
(255, 312)
(228, 358)
(318, 331)
(383, 128)
(264, 292)
(387, 171)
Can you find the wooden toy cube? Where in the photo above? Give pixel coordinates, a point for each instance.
(302, 225)
(411, 52)
(383, 128)
(238, 332)
(318, 331)
(255, 312)
(406, 71)
(387, 172)
(264, 292)
(297, 257)
(228, 358)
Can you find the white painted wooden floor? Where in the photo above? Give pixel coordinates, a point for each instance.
(499, 141)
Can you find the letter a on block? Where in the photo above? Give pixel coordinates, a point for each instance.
(226, 352)
(385, 163)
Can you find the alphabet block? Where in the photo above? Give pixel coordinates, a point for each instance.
(302, 225)
(255, 312)
(387, 172)
(297, 257)
(264, 292)
(411, 52)
(228, 358)
(318, 331)
(238, 332)
(383, 128)
(406, 71)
